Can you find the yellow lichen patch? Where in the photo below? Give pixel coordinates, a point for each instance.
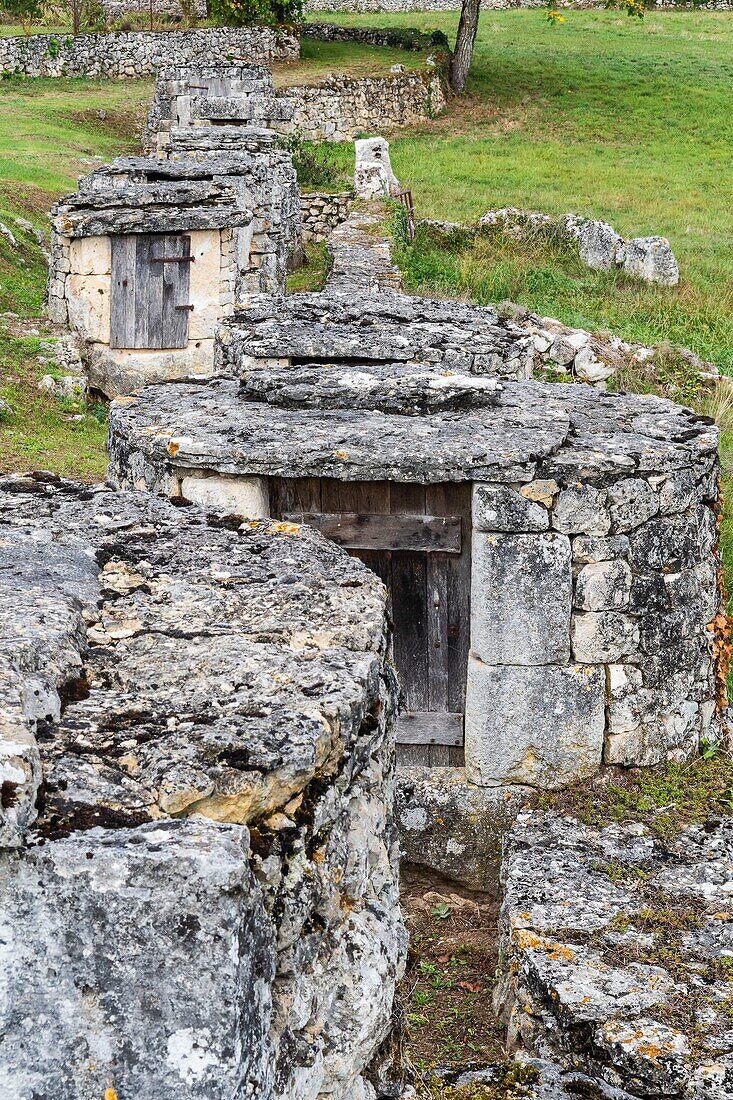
(282, 527)
(110, 1094)
(722, 916)
(341, 454)
(123, 400)
(173, 447)
(560, 951)
(526, 940)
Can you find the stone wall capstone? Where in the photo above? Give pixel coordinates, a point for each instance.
(125, 55)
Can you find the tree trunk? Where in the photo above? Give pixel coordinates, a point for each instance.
(465, 39)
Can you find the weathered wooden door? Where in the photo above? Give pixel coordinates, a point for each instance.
(417, 538)
(151, 278)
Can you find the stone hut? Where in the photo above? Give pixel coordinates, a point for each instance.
(550, 551)
(198, 876)
(151, 253)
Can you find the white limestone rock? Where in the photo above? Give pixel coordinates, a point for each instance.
(502, 508)
(650, 259)
(582, 510)
(603, 586)
(539, 727)
(600, 636)
(373, 175)
(520, 603)
(598, 242)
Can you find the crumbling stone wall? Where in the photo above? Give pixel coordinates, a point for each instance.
(614, 942)
(132, 54)
(198, 889)
(322, 212)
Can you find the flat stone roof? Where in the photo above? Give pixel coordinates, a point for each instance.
(355, 423)
(155, 661)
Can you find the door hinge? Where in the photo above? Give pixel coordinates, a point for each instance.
(190, 308)
(171, 259)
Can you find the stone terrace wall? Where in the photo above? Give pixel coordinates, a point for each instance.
(123, 55)
(342, 107)
(322, 211)
(204, 902)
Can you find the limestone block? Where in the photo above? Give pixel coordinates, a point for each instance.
(452, 826)
(626, 702)
(90, 256)
(587, 548)
(542, 727)
(204, 293)
(243, 496)
(501, 508)
(116, 372)
(521, 590)
(117, 944)
(665, 542)
(543, 490)
(631, 502)
(603, 586)
(582, 510)
(677, 491)
(598, 244)
(567, 345)
(600, 636)
(589, 368)
(88, 299)
(373, 175)
(650, 259)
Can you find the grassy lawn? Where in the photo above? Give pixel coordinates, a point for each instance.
(604, 116)
(51, 132)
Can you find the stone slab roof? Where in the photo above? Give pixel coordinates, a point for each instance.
(326, 421)
(154, 661)
(143, 194)
(384, 325)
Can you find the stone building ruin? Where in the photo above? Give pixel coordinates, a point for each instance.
(151, 253)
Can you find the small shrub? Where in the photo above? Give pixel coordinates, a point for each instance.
(264, 13)
(316, 166)
(25, 12)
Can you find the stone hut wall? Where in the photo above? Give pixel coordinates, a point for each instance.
(80, 292)
(139, 53)
(322, 211)
(205, 900)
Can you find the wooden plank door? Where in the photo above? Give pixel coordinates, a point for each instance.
(424, 559)
(151, 281)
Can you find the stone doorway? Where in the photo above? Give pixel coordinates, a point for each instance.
(417, 539)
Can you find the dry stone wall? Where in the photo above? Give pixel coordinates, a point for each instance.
(132, 54)
(342, 107)
(198, 889)
(322, 212)
(615, 945)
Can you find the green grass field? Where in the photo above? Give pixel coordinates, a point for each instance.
(626, 120)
